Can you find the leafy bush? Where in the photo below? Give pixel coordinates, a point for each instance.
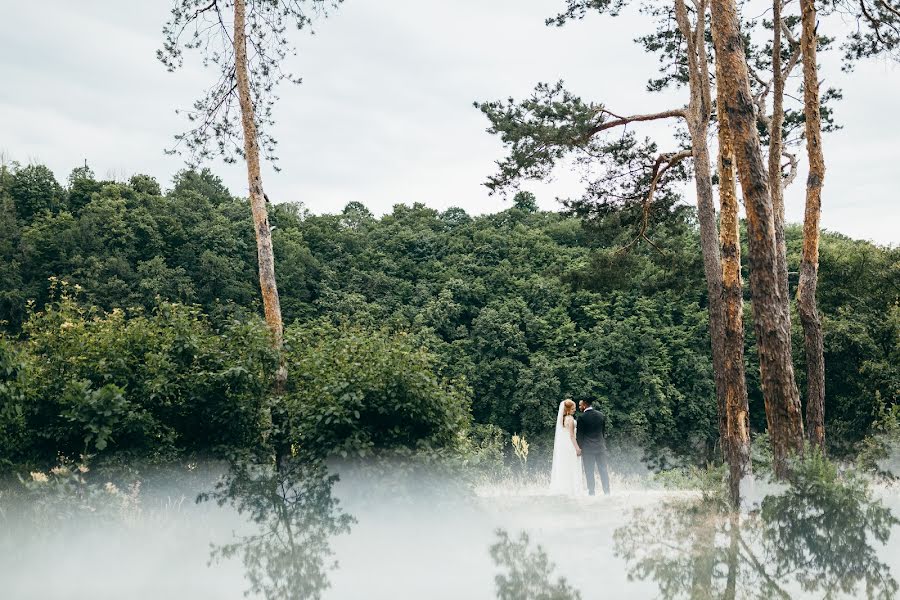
(710, 481)
(167, 382)
(482, 451)
(354, 391)
(15, 373)
(761, 454)
(99, 412)
(879, 452)
(153, 384)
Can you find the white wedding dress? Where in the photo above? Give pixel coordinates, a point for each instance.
(566, 474)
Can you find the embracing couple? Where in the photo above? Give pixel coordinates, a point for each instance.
(578, 449)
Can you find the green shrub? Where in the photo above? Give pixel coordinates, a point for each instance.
(879, 452)
(98, 412)
(15, 372)
(355, 392)
(153, 384)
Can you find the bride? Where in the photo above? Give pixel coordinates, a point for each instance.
(567, 475)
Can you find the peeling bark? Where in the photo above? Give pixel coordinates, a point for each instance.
(809, 263)
(737, 424)
(776, 145)
(783, 412)
(697, 116)
(264, 252)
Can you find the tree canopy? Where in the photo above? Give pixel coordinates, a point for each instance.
(521, 308)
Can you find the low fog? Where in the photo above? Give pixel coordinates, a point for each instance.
(392, 534)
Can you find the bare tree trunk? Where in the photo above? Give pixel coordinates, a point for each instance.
(776, 185)
(265, 255)
(698, 118)
(264, 252)
(782, 399)
(712, 267)
(809, 263)
(737, 410)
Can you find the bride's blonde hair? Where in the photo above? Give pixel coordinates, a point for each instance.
(569, 409)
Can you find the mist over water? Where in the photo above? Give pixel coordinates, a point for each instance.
(420, 535)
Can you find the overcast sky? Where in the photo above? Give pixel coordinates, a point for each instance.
(385, 114)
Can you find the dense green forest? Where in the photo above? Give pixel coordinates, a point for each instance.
(131, 323)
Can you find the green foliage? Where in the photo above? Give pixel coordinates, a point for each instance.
(552, 124)
(524, 306)
(98, 412)
(877, 32)
(539, 131)
(879, 452)
(167, 382)
(34, 190)
(147, 383)
(710, 481)
(355, 392)
(16, 372)
(124, 244)
(761, 453)
(484, 451)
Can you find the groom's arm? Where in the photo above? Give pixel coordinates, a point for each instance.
(579, 435)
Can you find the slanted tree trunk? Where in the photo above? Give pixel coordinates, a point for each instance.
(737, 411)
(783, 413)
(776, 185)
(265, 255)
(809, 263)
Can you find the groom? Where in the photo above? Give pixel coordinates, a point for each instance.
(590, 438)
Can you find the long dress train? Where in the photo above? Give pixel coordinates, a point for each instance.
(566, 474)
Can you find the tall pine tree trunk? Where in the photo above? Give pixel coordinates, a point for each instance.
(737, 411)
(712, 267)
(729, 372)
(782, 399)
(264, 252)
(698, 117)
(776, 185)
(265, 255)
(809, 263)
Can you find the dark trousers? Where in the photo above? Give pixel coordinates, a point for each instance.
(590, 459)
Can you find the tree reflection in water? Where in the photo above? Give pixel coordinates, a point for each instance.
(526, 574)
(815, 539)
(294, 515)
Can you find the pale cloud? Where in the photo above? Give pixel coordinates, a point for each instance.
(385, 111)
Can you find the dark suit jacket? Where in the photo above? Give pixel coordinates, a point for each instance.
(591, 432)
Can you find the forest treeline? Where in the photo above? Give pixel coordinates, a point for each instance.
(131, 319)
